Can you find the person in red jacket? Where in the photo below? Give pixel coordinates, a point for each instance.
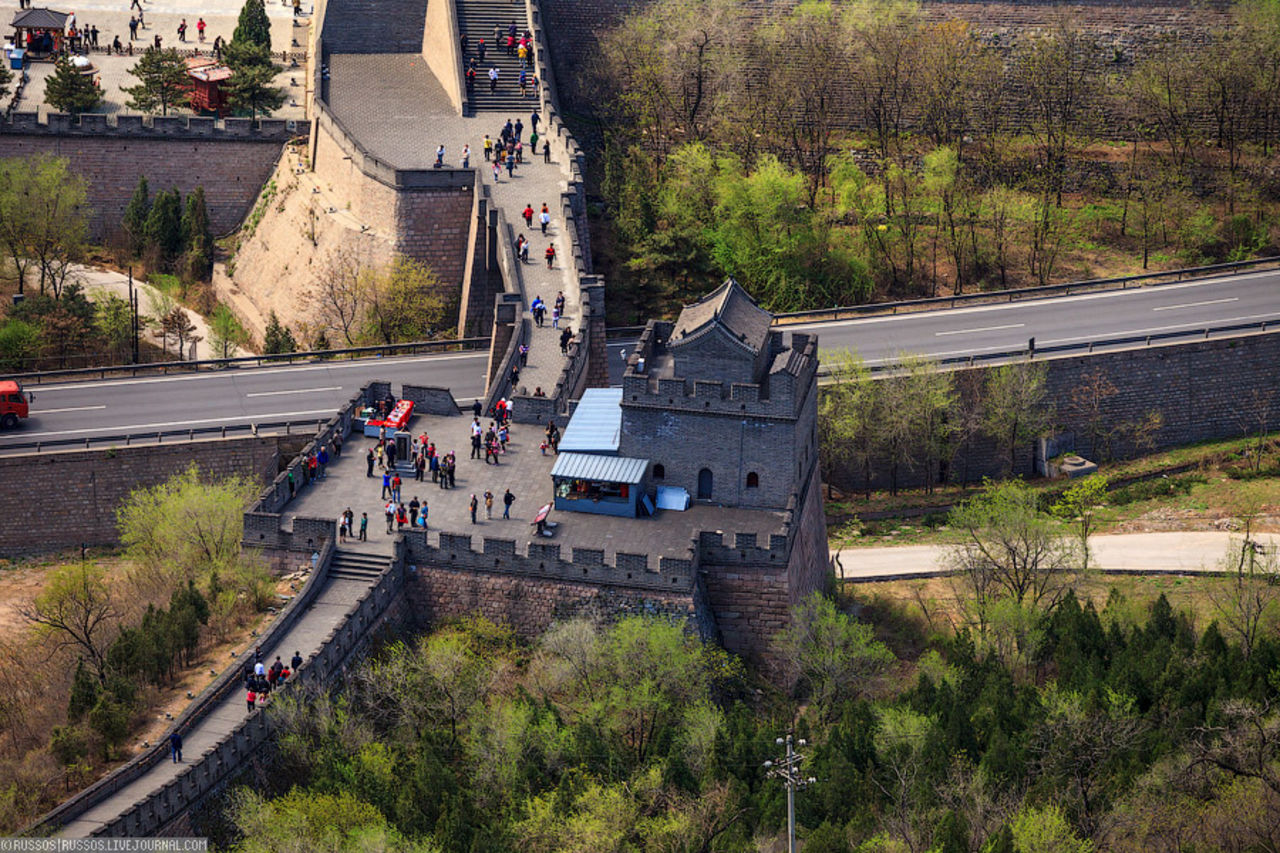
(551, 255)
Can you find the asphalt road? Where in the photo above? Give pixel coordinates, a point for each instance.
(238, 396)
(1069, 319)
(304, 392)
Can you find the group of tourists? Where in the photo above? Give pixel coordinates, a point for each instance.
(315, 464)
(538, 309)
(514, 43)
(260, 680)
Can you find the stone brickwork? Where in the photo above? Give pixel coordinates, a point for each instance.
(55, 500)
(430, 400)
(231, 161)
(1196, 387)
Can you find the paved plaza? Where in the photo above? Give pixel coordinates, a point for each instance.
(524, 470)
(111, 17)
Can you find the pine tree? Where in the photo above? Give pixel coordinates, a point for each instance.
(84, 693)
(164, 226)
(197, 238)
(69, 91)
(251, 88)
(162, 82)
(135, 216)
(278, 339)
(253, 26)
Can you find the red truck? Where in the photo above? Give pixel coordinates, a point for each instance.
(13, 403)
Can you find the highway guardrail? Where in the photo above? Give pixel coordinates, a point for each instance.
(307, 357)
(305, 428)
(852, 312)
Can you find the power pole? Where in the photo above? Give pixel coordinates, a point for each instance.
(133, 310)
(787, 769)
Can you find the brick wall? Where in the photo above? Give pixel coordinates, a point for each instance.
(531, 605)
(1196, 387)
(231, 171)
(61, 499)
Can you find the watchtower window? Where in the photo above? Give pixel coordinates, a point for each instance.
(659, 472)
(753, 480)
(704, 484)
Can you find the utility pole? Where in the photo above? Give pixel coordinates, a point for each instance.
(787, 769)
(133, 310)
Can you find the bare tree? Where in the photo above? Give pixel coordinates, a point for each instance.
(1253, 415)
(76, 611)
(887, 39)
(341, 291)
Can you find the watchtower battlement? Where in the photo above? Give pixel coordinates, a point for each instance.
(156, 127)
(651, 377)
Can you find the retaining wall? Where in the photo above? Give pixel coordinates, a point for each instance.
(61, 499)
(231, 158)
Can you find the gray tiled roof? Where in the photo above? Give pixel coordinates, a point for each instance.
(732, 308)
(40, 19)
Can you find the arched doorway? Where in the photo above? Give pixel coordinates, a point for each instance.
(704, 484)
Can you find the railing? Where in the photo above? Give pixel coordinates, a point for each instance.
(1015, 295)
(1084, 347)
(213, 695)
(350, 353)
(302, 428)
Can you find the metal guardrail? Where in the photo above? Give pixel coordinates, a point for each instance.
(310, 356)
(151, 437)
(1084, 347)
(1024, 293)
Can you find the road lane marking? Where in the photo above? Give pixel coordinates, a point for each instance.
(253, 372)
(1194, 324)
(68, 409)
(974, 331)
(1196, 304)
(127, 428)
(1031, 302)
(295, 391)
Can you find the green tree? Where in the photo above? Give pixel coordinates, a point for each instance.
(1010, 549)
(323, 822)
(184, 528)
(832, 657)
(197, 238)
(1016, 408)
(1077, 507)
(19, 344)
(849, 410)
(114, 322)
(164, 227)
(253, 26)
(84, 693)
(227, 335)
(404, 303)
(135, 216)
(1046, 830)
(69, 91)
(43, 218)
(251, 88)
(109, 719)
(162, 82)
(278, 339)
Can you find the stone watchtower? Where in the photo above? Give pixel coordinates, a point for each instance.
(721, 405)
(725, 407)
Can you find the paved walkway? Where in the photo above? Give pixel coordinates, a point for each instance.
(1156, 553)
(398, 111)
(307, 635)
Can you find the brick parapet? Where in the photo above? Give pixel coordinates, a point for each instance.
(267, 130)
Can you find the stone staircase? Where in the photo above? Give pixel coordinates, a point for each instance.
(476, 20)
(374, 26)
(354, 566)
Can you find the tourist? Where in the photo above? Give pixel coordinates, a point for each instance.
(546, 151)
(250, 698)
(472, 506)
(390, 511)
(386, 485)
(466, 156)
(551, 259)
(493, 79)
(527, 213)
(507, 500)
(182, 30)
(488, 145)
(364, 527)
(440, 156)
(200, 25)
(544, 217)
(297, 660)
(414, 505)
(488, 504)
(342, 527)
(175, 745)
(565, 337)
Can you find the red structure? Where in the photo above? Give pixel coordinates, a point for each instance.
(207, 77)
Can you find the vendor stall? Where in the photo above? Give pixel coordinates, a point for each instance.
(392, 423)
(207, 78)
(605, 485)
(42, 33)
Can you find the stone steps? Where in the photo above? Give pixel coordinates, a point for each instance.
(349, 565)
(476, 20)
